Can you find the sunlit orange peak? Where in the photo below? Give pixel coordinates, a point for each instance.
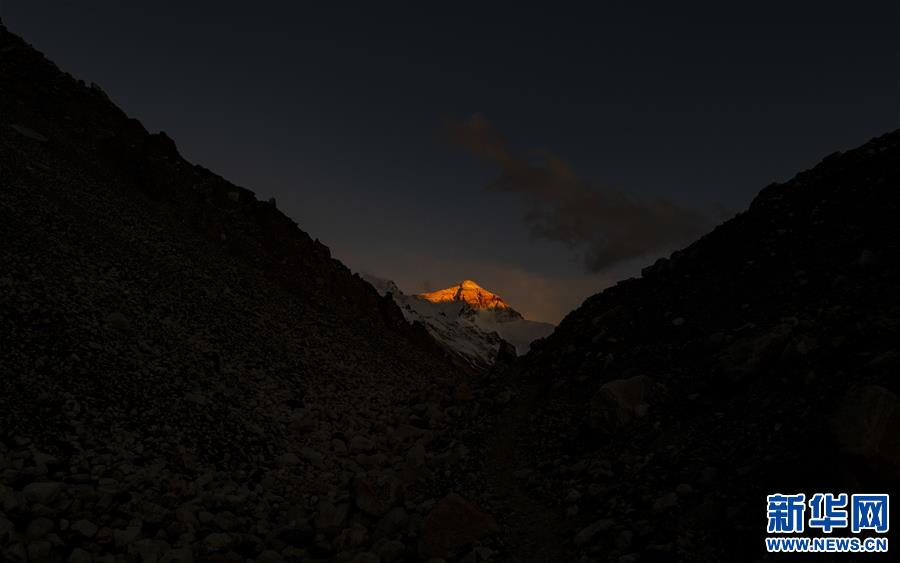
(468, 291)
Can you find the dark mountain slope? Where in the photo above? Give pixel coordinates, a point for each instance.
(761, 359)
(181, 367)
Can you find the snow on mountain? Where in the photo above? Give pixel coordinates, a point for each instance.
(467, 319)
(469, 292)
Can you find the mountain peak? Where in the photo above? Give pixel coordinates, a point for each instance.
(469, 321)
(467, 291)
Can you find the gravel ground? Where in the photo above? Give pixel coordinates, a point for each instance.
(761, 359)
(185, 374)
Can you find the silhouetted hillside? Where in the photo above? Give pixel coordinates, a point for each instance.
(185, 373)
(761, 359)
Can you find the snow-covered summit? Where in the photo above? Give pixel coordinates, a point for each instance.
(467, 291)
(468, 320)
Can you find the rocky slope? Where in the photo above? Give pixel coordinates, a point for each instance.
(762, 358)
(474, 325)
(185, 374)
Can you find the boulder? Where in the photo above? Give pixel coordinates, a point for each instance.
(85, 527)
(619, 401)
(586, 534)
(868, 424)
(375, 495)
(217, 542)
(42, 493)
(361, 444)
(330, 518)
(452, 524)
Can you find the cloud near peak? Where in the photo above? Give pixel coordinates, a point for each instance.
(605, 225)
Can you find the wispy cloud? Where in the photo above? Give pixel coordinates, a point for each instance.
(605, 225)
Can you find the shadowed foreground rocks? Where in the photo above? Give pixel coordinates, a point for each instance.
(455, 523)
(761, 359)
(185, 375)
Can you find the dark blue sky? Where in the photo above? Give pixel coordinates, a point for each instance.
(340, 112)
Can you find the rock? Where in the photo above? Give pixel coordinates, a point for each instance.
(376, 495)
(454, 523)
(868, 424)
(665, 502)
(39, 550)
(297, 535)
(85, 528)
(180, 555)
(16, 553)
(5, 527)
(148, 550)
(117, 321)
(79, 555)
(217, 542)
(38, 528)
(152, 512)
(523, 474)
(105, 535)
(226, 521)
(353, 538)
(391, 551)
(269, 556)
(416, 455)
(366, 557)
(313, 457)
(13, 501)
(41, 458)
(123, 538)
(302, 421)
(623, 540)
(867, 258)
(27, 132)
(42, 493)
(752, 356)
(392, 523)
(330, 518)
(586, 534)
(186, 515)
(289, 459)
(619, 401)
(506, 354)
(407, 432)
(361, 444)
(658, 268)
